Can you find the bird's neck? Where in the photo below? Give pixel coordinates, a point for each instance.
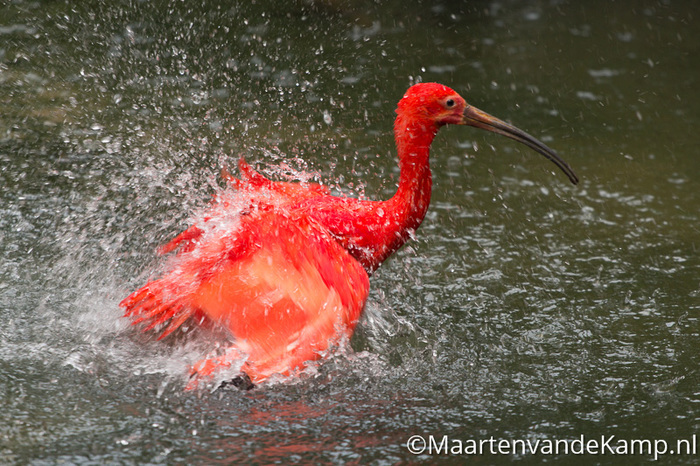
(410, 203)
(372, 230)
(399, 217)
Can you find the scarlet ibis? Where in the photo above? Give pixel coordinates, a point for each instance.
(284, 267)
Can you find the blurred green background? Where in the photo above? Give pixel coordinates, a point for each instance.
(526, 308)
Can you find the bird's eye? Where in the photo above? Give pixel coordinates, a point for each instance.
(450, 103)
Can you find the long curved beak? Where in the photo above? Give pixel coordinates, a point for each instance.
(474, 117)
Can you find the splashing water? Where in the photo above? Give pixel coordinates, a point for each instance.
(523, 309)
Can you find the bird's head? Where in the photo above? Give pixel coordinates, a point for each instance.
(437, 105)
(432, 103)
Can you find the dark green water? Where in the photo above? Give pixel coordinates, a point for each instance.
(526, 308)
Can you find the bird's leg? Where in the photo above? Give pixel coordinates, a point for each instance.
(241, 382)
(207, 366)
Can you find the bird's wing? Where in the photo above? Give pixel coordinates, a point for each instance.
(260, 193)
(285, 304)
(280, 284)
(251, 178)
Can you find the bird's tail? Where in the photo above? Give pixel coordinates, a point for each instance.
(156, 304)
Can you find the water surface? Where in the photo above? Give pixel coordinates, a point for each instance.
(526, 308)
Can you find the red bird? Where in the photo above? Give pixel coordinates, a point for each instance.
(284, 267)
